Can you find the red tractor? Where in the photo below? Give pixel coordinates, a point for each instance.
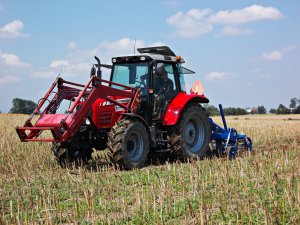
(143, 108)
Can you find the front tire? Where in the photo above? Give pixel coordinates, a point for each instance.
(191, 135)
(66, 156)
(128, 142)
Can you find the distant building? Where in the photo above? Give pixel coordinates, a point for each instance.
(248, 110)
(291, 109)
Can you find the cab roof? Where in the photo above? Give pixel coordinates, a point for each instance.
(151, 53)
(160, 50)
(163, 53)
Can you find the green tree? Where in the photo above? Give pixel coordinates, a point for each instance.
(240, 111)
(229, 111)
(297, 110)
(273, 111)
(211, 110)
(22, 106)
(261, 110)
(235, 111)
(293, 102)
(282, 110)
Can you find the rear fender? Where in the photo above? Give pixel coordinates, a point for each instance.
(176, 106)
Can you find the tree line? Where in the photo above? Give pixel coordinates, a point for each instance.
(22, 106)
(294, 108)
(27, 106)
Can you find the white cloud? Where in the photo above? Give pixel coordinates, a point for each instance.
(249, 14)
(78, 68)
(12, 60)
(119, 47)
(72, 45)
(105, 51)
(64, 67)
(276, 55)
(12, 30)
(108, 49)
(288, 48)
(44, 74)
(190, 24)
(217, 75)
(10, 65)
(234, 31)
(125, 46)
(272, 56)
(7, 79)
(57, 63)
(79, 62)
(196, 22)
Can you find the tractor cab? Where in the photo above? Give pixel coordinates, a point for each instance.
(157, 73)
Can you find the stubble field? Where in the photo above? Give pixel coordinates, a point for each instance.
(261, 188)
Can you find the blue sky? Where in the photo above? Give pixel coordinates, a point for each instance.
(246, 53)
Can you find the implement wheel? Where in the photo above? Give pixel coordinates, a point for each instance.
(128, 142)
(191, 135)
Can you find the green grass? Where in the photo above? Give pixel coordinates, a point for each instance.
(262, 188)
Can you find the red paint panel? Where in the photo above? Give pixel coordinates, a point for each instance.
(95, 110)
(52, 120)
(178, 103)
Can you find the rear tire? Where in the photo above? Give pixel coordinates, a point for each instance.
(128, 143)
(191, 135)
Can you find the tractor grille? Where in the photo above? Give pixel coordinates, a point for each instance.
(105, 117)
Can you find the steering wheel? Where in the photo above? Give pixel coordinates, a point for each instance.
(140, 84)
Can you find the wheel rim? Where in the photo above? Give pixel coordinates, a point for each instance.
(194, 134)
(135, 145)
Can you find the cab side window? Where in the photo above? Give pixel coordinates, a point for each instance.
(164, 88)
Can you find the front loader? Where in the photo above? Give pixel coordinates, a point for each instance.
(74, 133)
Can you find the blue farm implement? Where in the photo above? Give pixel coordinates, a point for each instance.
(227, 141)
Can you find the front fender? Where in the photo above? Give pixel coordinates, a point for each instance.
(133, 115)
(176, 106)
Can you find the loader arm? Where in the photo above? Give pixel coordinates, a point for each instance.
(64, 126)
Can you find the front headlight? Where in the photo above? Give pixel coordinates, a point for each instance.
(87, 121)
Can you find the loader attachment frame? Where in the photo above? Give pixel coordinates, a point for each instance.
(64, 126)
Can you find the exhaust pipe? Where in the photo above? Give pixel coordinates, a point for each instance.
(99, 72)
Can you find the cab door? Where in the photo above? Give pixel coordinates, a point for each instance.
(164, 88)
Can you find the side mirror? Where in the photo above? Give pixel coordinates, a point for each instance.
(93, 72)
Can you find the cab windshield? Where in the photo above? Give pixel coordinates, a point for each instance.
(133, 75)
